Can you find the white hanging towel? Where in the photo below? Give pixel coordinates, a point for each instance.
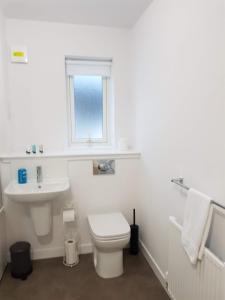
(196, 225)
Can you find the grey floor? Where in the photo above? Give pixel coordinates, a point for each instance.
(50, 280)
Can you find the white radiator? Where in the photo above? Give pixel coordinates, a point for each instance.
(206, 281)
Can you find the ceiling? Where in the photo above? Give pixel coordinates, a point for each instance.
(113, 13)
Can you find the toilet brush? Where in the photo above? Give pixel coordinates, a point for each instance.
(134, 237)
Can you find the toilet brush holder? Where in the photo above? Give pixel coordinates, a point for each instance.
(134, 237)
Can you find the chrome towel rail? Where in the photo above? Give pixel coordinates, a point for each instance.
(180, 182)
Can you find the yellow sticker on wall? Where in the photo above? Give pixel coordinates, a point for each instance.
(19, 54)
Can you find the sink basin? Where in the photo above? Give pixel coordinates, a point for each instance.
(38, 196)
(36, 192)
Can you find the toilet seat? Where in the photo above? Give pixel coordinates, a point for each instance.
(116, 238)
(107, 227)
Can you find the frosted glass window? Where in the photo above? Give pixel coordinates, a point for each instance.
(88, 107)
(89, 101)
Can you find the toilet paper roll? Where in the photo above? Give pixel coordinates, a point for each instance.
(71, 253)
(68, 215)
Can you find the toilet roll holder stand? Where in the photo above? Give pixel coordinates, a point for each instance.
(70, 234)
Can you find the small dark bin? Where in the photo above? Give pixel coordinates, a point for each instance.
(21, 264)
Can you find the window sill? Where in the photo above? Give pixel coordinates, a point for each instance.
(75, 155)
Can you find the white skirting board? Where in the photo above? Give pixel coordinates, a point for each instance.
(56, 252)
(153, 264)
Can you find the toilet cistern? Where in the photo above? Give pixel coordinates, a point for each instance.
(39, 174)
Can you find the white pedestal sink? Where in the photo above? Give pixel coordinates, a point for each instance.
(39, 197)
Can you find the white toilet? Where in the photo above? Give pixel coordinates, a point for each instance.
(110, 234)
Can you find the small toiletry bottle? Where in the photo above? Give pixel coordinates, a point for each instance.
(41, 149)
(22, 176)
(28, 150)
(34, 149)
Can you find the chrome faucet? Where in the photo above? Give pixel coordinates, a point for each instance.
(39, 174)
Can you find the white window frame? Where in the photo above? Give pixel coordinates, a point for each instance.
(108, 120)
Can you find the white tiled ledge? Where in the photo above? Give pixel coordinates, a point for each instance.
(75, 155)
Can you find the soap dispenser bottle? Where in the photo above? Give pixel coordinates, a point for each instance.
(22, 176)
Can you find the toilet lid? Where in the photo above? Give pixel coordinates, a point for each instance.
(109, 225)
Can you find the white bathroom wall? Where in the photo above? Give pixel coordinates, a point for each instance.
(90, 194)
(4, 115)
(38, 109)
(3, 141)
(37, 90)
(178, 86)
